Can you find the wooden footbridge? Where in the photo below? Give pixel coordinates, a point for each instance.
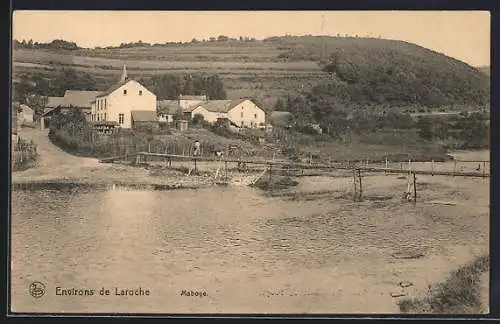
(140, 157)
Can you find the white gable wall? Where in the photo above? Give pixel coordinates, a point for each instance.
(119, 103)
(247, 114)
(209, 116)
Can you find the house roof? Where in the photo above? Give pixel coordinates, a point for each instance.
(201, 98)
(117, 86)
(168, 106)
(222, 106)
(53, 102)
(114, 87)
(143, 115)
(217, 105)
(80, 98)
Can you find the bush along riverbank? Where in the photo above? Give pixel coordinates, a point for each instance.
(459, 294)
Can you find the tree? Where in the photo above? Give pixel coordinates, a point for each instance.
(198, 120)
(179, 114)
(38, 103)
(222, 38)
(426, 131)
(279, 105)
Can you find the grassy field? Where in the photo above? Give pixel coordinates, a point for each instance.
(246, 70)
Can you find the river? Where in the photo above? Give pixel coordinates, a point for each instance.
(247, 253)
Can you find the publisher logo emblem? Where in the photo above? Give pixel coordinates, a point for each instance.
(37, 289)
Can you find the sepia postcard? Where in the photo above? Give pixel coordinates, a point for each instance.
(246, 162)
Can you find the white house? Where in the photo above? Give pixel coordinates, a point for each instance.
(245, 113)
(241, 113)
(116, 104)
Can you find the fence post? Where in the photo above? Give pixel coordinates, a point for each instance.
(195, 167)
(454, 166)
(386, 165)
(484, 167)
(225, 169)
(270, 172)
(414, 188)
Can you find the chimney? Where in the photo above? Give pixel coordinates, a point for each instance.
(124, 74)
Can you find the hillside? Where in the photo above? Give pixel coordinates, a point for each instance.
(485, 69)
(346, 70)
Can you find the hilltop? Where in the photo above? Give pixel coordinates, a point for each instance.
(485, 69)
(346, 70)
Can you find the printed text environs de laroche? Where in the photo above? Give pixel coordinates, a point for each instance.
(115, 291)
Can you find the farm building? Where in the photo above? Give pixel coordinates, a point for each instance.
(80, 99)
(118, 102)
(166, 110)
(143, 118)
(240, 113)
(187, 102)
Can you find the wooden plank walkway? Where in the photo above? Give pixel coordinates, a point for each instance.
(270, 164)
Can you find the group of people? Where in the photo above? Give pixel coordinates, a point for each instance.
(197, 150)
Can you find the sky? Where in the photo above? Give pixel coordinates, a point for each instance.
(464, 35)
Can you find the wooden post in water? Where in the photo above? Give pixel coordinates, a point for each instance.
(454, 166)
(432, 168)
(414, 188)
(195, 167)
(355, 193)
(484, 167)
(360, 186)
(170, 162)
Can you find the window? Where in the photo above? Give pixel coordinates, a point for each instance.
(98, 101)
(104, 116)
(140, 92)
(125, 92)
(104, 103)
(255, 116)
(120, 118)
